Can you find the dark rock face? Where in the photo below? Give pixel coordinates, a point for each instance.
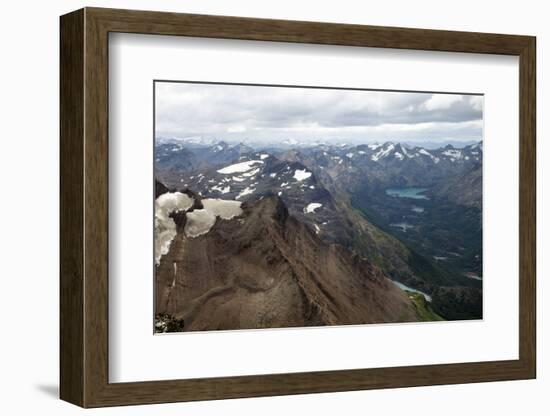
(160, 189)
(265, 269)
(464, 189)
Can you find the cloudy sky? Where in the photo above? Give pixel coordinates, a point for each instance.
(267, 114)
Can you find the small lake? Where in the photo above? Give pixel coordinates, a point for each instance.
(410, 192)
(410, 289)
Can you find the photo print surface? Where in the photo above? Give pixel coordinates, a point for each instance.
(286, 206)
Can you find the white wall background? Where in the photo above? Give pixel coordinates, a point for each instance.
(29, 157)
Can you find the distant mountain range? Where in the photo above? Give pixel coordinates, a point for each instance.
(334, 201)
(200, 141)
(388, 164)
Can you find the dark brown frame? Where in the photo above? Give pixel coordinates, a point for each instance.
(84, 210)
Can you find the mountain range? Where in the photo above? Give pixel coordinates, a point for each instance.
(335, 201)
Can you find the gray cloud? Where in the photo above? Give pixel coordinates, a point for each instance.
(241, 112)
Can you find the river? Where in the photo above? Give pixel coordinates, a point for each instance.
(410, 289)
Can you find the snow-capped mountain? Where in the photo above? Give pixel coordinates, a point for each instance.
(388, 164)
(178, 156)
(258, 175)
(390, 152)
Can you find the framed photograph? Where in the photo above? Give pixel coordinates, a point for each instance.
(255, 207)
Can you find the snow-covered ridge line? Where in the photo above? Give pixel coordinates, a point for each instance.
(383, 152)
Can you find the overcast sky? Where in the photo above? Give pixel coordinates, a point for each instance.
(269, 114)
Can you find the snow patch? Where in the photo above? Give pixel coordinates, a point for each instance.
(251, 173)
(453, 154)
(312, 207)
(300, 175)
(221, 190)
(426, 153)
(264, 156)
(247, 191)
(239, 167)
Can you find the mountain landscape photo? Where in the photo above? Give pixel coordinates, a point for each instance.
(281, 207)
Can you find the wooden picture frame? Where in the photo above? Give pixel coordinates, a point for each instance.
(84, 207)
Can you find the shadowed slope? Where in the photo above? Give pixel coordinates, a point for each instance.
(265, 269)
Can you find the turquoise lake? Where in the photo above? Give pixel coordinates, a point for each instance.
(414, 193)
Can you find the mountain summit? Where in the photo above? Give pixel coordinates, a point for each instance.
(265, 269)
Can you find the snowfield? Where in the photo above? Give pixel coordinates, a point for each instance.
(300, 175)
(200, 221)
(165, 227)
(222, 208)
(172, 201)
(312, 207)
(239, 167)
